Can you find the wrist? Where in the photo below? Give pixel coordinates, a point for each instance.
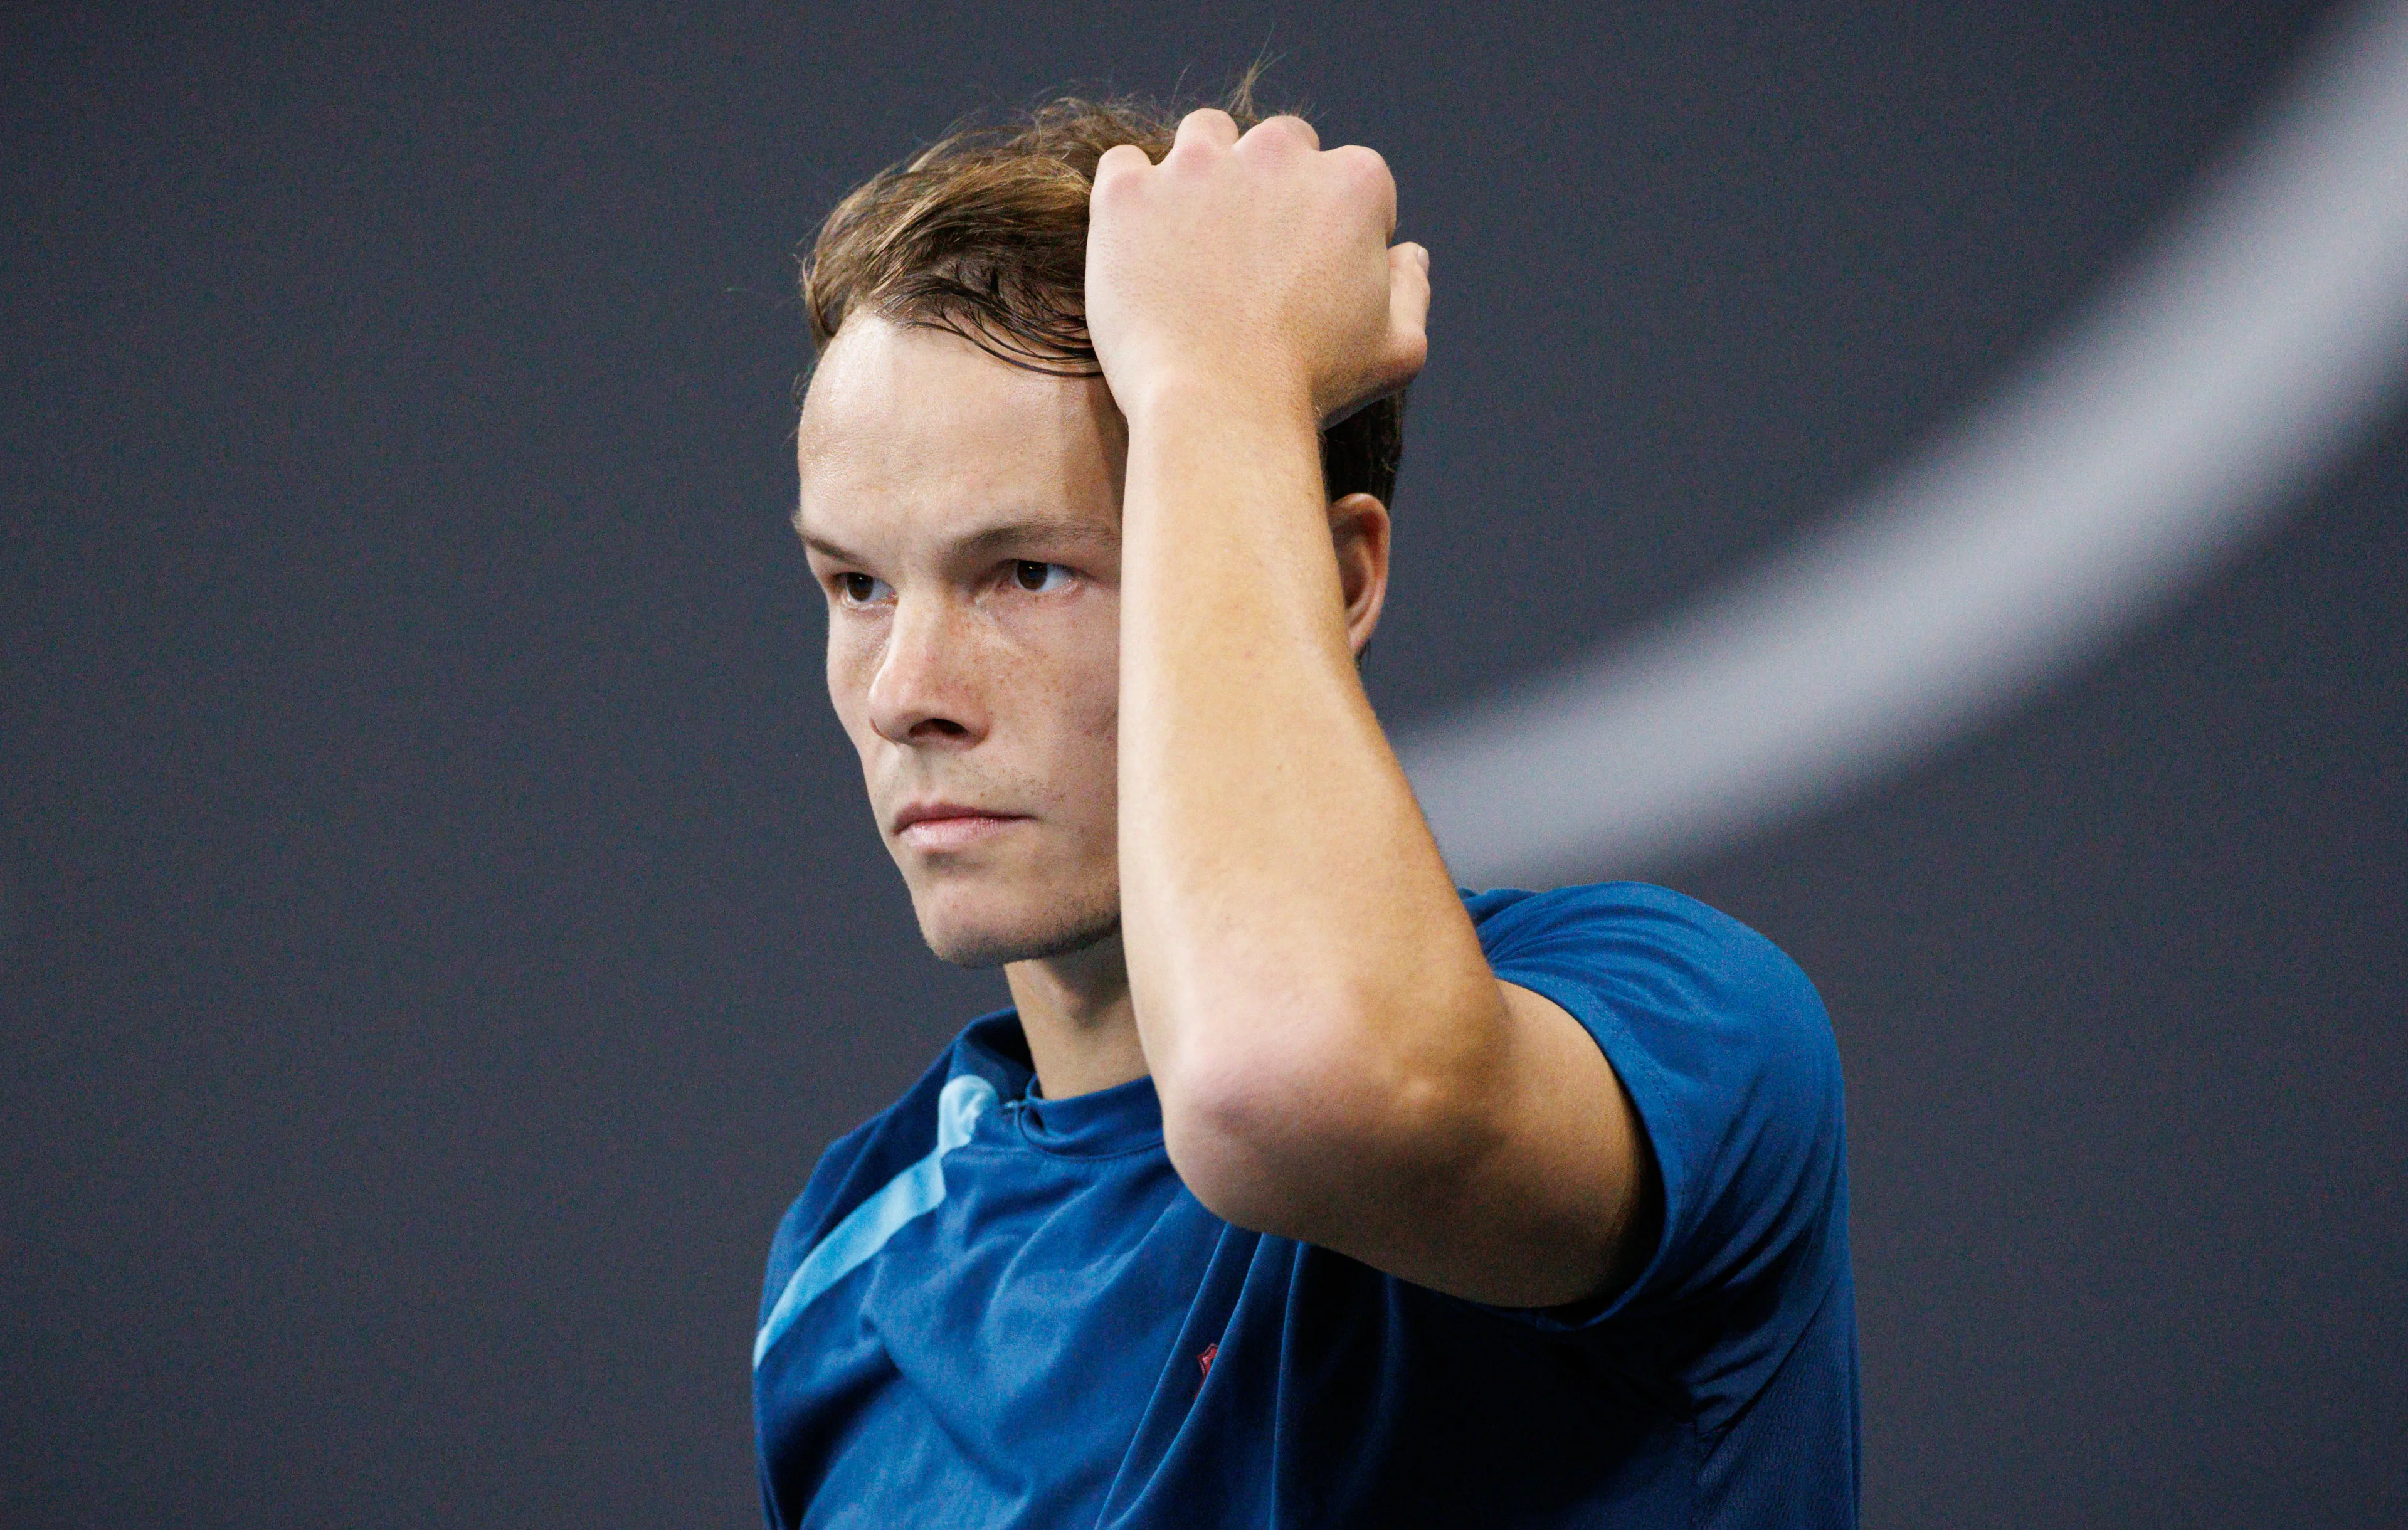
(1260, 405)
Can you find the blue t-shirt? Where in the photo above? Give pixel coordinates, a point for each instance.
(991, 1310)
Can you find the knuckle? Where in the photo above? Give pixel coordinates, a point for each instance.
(1117, 168)
(1364, 164)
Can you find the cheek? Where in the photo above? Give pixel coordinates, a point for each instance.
(1086, 704)
(851, 664)
(1063, 715)
(1099, 691)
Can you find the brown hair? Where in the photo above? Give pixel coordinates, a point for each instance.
(984, 233)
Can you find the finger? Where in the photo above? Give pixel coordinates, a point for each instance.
(1119, 162)
(1372, 172)
(1409, 304)
(1286, 127)
(1209, 127)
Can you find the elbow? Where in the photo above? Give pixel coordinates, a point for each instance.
(1236, 1137)
(1282, 1138)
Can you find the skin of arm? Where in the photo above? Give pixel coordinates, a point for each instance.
(1336, 1061)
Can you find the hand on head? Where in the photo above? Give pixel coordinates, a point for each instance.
(1258, 263)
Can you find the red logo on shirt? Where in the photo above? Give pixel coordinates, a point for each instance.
(1204, 1361)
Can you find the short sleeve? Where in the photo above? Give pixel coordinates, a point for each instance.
(1729, 1060)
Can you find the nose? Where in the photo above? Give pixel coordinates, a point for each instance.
(927, 690)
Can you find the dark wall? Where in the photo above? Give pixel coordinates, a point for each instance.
(439, 924)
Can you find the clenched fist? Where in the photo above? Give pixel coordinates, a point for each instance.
(1258, 264)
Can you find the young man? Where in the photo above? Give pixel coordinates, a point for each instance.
(1295, 1188)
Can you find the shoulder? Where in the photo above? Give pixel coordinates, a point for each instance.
(1646, 950)
(1639, 916)
(1722, 1046)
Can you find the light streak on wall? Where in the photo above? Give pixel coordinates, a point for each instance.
(2192, 403)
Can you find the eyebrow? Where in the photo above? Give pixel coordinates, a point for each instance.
(1007, 535)
(990, 540)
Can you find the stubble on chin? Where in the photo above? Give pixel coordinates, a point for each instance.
(1071, 929)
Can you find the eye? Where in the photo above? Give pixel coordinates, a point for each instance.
(1040, 579)
(860, 588)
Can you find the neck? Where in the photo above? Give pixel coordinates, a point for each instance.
(1074, 1009)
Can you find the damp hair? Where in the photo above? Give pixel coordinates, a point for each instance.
(983, 234)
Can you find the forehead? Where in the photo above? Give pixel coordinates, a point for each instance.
(910, 429)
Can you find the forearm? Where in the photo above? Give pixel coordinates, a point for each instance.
(1303, 975)
(1335, 1059)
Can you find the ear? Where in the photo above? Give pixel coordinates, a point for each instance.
(1358, 529)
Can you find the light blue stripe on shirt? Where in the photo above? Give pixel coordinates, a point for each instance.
(866, 1228)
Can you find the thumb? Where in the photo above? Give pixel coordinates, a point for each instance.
(1409, 301)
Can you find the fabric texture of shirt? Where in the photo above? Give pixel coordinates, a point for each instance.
(990, 1308)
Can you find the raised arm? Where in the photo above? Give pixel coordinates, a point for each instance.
(1336, 1061)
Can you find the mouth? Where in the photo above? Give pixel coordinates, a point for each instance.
(938, 826)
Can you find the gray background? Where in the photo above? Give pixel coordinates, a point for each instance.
(438, 922)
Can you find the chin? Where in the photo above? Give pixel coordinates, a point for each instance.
(964, 934)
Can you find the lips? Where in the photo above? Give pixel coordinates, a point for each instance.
(949, 825)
